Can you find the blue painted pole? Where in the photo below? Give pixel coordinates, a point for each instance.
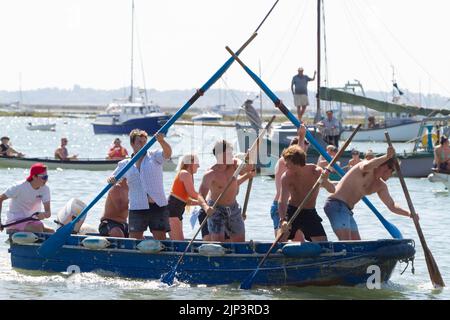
(393, 230)
(51, 246)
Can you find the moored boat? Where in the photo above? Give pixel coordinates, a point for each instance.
(80, 164)
(443, 178)
(326, 263)
(41, 127)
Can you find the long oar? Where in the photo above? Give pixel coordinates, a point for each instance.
(169, 277)
(247, 197)
(393, 230)
(31, 218)
(52, 245)
(247, 283)
(432, 266)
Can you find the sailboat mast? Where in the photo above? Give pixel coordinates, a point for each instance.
(318, 111)
(132, 50)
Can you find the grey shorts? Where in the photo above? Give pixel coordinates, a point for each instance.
(227, 220)
(156, 218)
(340, 215)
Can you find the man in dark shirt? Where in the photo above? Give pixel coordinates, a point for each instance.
(6, 150)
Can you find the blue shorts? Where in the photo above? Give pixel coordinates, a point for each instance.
(274, 215)
(227, 219)
(340, 215)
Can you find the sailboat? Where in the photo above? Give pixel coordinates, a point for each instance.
(122, 116)
(413, 164)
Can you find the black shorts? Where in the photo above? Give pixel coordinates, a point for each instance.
(176, 207)
(307, 221)
(156, 218)
(106, 225)
(201, 217)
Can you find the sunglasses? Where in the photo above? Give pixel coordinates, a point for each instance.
(43, 176)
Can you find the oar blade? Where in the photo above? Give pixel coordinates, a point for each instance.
(52, 245)
(435, 274)
(248, 282)
(169, 277)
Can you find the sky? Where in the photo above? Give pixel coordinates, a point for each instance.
(179, 44)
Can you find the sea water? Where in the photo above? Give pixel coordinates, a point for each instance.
(430, 201)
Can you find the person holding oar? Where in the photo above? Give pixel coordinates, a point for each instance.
(296, 183)
(26, 199)
(147, 201)
(365, 178)
(227, 217)
(280, 169)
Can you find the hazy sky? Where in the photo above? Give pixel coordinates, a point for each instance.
(59, 43)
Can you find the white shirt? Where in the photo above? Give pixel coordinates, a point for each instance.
(148, 181)
(25, 200)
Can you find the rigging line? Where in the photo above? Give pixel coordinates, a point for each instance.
(326, 78)
(285, 33)
(141, 59)
(233, 95)
(407, 52)
(363, 50)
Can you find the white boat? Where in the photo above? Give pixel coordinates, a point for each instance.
(207, 117)
(402, 132)
(80, 164)
(441, 178)
(41, 127)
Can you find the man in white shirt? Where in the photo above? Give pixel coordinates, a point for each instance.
(26, 199)
(147, 200)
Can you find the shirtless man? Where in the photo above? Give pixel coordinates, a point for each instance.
(227, 215)
(365, 178)
(114, 220)
(296, 183)
(280, 169)
(62, 154)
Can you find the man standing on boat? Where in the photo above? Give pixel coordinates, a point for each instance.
(62, 153)
(296, 183)
(227, 216)
(26, 199)
(365, 178)
(299, 88)
(331, 129)
(147, 201)
(280, 169)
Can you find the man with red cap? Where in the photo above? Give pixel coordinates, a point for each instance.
(26, 199)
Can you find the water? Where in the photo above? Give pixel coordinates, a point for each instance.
(429, 199)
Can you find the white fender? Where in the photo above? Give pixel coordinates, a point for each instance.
(95, 243)
(150, 246)
(211, 250)
(69, 212)
(24, 237)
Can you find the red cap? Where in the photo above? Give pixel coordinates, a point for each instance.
(37, 168)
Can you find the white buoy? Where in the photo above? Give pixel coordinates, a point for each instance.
(95, 243)
(211, 250)
(150, 246)
(69, 212)
(24, 237)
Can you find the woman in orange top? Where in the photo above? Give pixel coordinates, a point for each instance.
(183, 193)
(117, 152)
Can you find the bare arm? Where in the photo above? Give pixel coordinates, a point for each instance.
(188, 183)
(314, 77)
(376, 162)
(47, 212)
(167, 150)
(384, 195)
(203, 192)
(437, 159)
(3, 197)
(284, 198)
(242, 178)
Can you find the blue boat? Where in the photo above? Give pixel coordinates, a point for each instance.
(121, 118)
(326, 263)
